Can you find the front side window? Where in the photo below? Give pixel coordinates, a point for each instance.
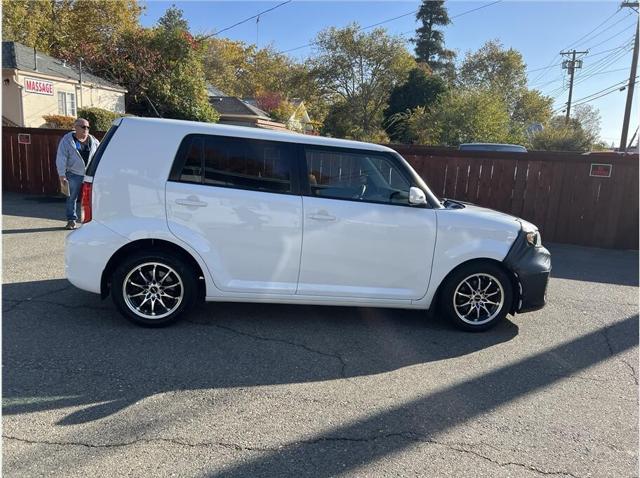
(235, 162)
(363, 176)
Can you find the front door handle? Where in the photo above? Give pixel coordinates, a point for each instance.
(321, 216)
(191, 201)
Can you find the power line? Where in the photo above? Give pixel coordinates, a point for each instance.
(628, 27)
(604, 94)
(579, 77)
(476, 9)
(390, 20)
(601, 65)
(552, 62)
(592, 69)
(247, 19)
(605, 91)
(587, 35)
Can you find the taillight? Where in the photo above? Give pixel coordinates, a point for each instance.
(85, 201)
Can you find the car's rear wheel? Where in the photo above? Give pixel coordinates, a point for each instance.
(153, 288)
(477, 296)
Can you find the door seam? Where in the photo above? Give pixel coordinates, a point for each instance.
(302, 224)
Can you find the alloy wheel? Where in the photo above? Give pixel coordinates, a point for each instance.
(153, 290)
(478, 299)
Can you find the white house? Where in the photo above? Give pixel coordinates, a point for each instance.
(35, 85)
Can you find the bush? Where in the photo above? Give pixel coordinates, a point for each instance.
(99, 119)
(59, 121)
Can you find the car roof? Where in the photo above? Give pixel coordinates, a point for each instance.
(194, 127)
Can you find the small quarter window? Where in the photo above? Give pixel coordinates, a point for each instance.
(192, 169)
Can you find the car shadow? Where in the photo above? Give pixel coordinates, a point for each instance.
(63, 347)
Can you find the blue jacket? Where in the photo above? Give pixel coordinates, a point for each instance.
(68, 158)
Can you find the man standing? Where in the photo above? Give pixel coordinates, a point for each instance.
(75, 150)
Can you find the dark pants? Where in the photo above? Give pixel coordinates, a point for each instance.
(75, 183)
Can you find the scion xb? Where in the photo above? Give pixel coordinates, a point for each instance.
(177, 211)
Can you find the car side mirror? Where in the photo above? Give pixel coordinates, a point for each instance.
(417, 197)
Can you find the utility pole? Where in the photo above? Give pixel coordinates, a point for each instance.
(571, 65)
(80, 82)
(632, 82)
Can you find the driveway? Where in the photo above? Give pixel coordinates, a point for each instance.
(240, 390)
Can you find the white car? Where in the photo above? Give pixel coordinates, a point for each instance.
(175, 211)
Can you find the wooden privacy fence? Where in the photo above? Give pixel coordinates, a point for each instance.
(552, 190)
(31, 168)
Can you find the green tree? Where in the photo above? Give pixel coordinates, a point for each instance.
(496, 69)
(459, 117)
(420, 89)
(178, 87)
(360, 69)
(173, 19)
(430, 40)
(589, 119)
(558, 135)
(41, 24)
(243, 70)
(532, 107)
(68, 29)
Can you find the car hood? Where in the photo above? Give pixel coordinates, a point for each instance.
(488, 215)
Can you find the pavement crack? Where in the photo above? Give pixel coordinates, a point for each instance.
(634, 373)
(507, 463)
(343, 364)
(35, 298)
(66, 306)
(458, 447)
(134, 442)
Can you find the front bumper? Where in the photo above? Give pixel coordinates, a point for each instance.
(531, 267)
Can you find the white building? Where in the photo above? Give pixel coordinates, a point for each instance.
(36, 85)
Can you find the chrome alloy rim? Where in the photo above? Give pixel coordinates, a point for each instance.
(153, 290)
(478, 299)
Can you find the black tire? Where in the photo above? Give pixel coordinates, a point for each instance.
(172, 300)
(483, 282)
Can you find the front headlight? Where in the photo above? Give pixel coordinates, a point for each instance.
(534, 238)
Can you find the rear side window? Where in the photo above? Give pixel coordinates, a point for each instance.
(235, 162)
(93, 164)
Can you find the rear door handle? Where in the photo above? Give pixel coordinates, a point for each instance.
(321, 216)
(191, 201)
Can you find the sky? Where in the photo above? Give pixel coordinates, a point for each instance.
(538, 30)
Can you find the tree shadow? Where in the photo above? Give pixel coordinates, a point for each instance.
(392, 431)
(63, 347)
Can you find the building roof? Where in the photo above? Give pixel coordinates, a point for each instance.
(18, 56)
(230, 105)
(213, 91)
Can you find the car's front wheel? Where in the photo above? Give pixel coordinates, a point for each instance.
(477, 296)
(153, 288)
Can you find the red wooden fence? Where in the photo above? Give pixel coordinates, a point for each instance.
(552, 190)
(31, 168)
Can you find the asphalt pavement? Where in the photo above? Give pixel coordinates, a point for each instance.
(242, 390)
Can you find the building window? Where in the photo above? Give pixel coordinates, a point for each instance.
(67, 104)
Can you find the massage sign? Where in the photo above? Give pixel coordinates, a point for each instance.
(39, 87)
